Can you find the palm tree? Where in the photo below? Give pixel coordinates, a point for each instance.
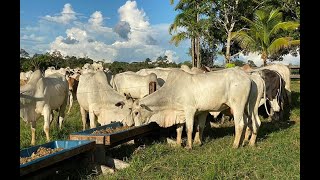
(188, 18)
(262, 35)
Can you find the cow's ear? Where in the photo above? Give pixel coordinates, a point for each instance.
(145, 107)
(121, 103)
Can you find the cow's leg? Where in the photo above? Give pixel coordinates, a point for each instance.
(239, 127)
(70, 96)
(255, 125)
(248, 129)
(46, 118)
(33, 133)
(92, 119)
(289, 97)
(189, 126)
(62, 110)
(201, 125)
(61, 117)
(179, 134)
(271, 114)
(83, 118)
(51, 116)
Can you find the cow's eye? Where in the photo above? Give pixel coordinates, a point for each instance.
(136, 113)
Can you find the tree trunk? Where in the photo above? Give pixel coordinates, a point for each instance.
(264, 58)
(198, 41)
(228, 47)
(198, 52)
(192, 52)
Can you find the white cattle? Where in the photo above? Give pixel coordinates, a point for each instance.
(77, 70)
(134, 84)
(162, 74)
(202, 93)
(73, 81)
(97, 97)
(97, 66)
(285, 73)
(257, 97)
(87, 68)
(51, 70)
(193, 70)
(40, 96)
(109, 76)
(282, 70)
(24, 77)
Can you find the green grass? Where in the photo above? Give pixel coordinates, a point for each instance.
(72, 123)
(277, 155)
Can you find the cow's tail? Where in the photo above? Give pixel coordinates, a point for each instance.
(280, 90)
(265, 97)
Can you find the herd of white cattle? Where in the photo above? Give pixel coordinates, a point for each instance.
(182, 96)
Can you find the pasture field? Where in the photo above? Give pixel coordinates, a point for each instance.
(277, 155)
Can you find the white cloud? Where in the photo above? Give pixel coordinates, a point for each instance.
(171, 56)
(32, 37)
(256, 58)
(76, 33)
(96, 19)
(29, 29)
(67, 15)
(83, 46)
(287, 59)
(135, 17)
(140, 31)
(93, 39)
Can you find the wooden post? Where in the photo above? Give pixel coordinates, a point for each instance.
(152, 87)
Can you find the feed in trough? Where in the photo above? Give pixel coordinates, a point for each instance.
(110, 130)
(42, 151)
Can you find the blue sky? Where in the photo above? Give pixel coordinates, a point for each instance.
(108, 30)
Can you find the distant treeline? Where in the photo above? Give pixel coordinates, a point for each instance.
(43, 61)
(55, 59)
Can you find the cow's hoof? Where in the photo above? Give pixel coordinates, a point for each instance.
(252, 144)
(235, 146)
(245, 142)
(197, 143)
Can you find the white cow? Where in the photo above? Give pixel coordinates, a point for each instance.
(51, 70)
(134, 84)
(40, 96)
(97, 97)
(285, 73)
(97, 66)
(24, 77)
(202, 93)
(193, 70)
(257, 97)
(87, 68)
(109, 76)
(162, 74)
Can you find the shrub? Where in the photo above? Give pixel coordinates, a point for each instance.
(230, 65)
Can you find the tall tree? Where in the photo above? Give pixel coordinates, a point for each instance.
(24, 54)
(226, 18)
(189, 19)
(291, 12)
(56, 58)
(262, 34)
